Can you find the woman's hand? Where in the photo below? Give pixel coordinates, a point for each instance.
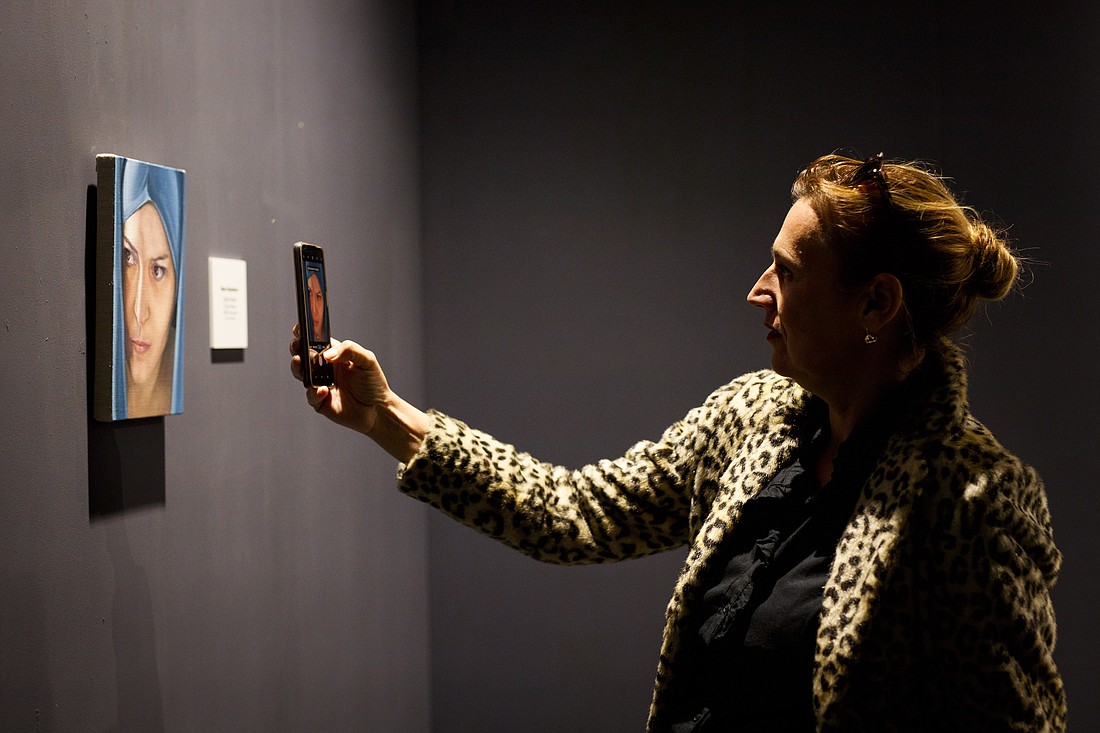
(360, 398)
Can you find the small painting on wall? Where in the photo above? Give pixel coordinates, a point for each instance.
(139, 289)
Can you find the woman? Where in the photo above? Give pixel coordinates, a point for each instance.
(863, 554)
(149, 278)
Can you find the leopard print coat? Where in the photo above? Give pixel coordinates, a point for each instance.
(937, 611)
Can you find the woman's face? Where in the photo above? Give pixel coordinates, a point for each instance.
(813, 324)
(148, 292)
(316, 306)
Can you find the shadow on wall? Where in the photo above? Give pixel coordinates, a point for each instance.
(125, 458)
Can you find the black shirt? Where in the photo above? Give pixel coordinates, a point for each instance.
(753, 652)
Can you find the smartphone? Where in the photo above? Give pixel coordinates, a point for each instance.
(313, 331)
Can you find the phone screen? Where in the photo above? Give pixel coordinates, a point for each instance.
(313, 326)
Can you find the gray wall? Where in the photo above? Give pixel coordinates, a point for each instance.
(253, 569)
(602, 182)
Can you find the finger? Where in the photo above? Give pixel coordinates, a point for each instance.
(317, 397)
(296, 367)
(296, 341)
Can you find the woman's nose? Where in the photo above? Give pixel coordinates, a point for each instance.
(759, 294)
(141, 310)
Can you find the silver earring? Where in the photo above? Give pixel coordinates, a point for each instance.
(870, 338)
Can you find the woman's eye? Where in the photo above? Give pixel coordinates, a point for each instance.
(159, 272)
(128, 256)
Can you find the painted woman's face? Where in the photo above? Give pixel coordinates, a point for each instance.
(148, 293)
(316, 306)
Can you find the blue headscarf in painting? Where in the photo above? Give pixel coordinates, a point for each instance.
(137, 183)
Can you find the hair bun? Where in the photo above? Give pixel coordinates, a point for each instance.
(947, 256)
(995, 266)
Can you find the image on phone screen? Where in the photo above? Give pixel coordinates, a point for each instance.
(318, 307)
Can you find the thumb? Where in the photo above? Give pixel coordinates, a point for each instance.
(348, 351)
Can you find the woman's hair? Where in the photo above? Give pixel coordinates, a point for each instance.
(901, 218)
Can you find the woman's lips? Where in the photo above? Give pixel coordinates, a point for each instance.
(140, 347)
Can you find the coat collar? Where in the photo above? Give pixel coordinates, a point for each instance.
(934, 401)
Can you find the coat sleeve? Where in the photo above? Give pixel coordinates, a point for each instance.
(635, 505)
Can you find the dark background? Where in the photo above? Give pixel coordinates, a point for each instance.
(544, 218)
(602, 182)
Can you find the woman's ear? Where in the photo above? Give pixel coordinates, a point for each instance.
(882, 301)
